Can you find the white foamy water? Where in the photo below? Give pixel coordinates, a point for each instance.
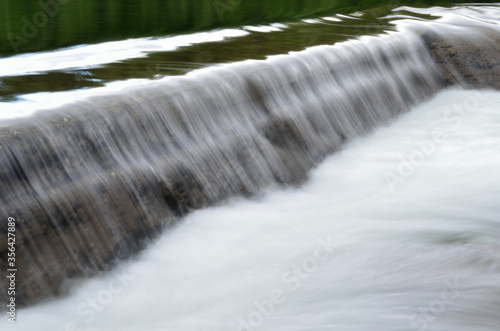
(399, 231)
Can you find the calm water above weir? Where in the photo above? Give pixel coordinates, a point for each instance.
(88, 66)
(30, 26)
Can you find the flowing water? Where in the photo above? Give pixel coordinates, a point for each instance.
(349, 250)
(108, 148)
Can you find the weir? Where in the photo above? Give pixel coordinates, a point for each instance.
(91, 181)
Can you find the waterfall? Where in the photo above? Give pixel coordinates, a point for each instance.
(91, 181)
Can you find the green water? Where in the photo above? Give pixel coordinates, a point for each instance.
(84, 21)
(256, 45)
(37, 25)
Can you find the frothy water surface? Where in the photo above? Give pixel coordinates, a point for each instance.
(399, 231)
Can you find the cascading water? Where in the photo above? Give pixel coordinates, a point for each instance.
(142, 157)
(342, 252)
(91, 180)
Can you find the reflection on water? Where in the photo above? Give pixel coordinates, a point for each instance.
(32, 26)
(93, 66)
(150, 58)
(48, 24)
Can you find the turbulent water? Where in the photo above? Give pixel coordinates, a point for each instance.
(399, 231)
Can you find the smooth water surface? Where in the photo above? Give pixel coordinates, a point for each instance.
(31, 26)
(153, 57)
